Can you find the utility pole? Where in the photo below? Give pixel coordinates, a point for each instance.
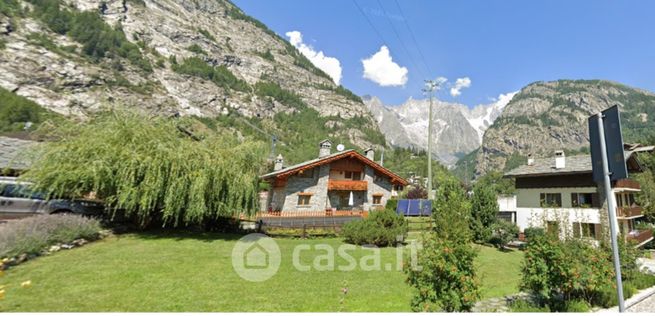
(430, 87)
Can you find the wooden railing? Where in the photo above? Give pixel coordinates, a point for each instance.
(627, 184)
(313, 213)
(632, 211)
(347, 185)
(640, 236)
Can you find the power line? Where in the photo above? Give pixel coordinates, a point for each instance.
(411, 33)
(402, 44)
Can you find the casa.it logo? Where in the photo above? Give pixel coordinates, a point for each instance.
(256, 257)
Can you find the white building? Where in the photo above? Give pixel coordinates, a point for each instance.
(559, 193)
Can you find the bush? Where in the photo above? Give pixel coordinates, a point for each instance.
(532, 232)
(392, 205)
(381, 228)
(33, 234)
(220, 75)
(16, 110)
(195, 48)
(503, 232)
(577, 306)
(484, 209)
(557, 271)
(273, 90)
(446, 280)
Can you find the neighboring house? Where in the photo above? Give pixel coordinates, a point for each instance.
(560, 194)
(14, 155)
(345, 180)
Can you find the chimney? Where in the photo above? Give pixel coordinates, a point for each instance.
(530, 160)
(324, 148)
(370, 153)
(279, 163)
(560, 159)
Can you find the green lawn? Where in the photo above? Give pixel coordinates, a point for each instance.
(193, 272)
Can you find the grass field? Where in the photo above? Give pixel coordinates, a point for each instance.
(193, 272)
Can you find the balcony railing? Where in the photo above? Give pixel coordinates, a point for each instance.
(640, 236)
(347, 185)
(632, 211)
(627, 184)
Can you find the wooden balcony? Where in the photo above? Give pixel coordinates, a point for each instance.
(640, 236)
(627, 184)
(627, 212)
(347, 185)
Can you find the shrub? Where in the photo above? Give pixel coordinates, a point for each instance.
(417, 192)
(533, 232)
(451, 212)
(220, 75)
(392, 205)
(273, 90)
(16, 110)
(206, 34)
(484, 209)
(33, 234)
(446, 280)
(381, 228)
(556, 271)
(195, 48)
(503, 232)
(576, 306)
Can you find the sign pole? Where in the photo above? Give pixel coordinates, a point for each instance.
(611, 209)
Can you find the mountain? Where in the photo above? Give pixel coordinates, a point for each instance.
(457, 129)
(203, 58)
(547, 116)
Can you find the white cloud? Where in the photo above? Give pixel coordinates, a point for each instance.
(460, 84)
(329, 65)
(381, 69)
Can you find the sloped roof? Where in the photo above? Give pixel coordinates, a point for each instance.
(574, 165)
(330, 158)
(13, 153)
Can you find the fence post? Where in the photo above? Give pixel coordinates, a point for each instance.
(304, 231)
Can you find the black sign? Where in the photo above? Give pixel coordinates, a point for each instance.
(614, 145)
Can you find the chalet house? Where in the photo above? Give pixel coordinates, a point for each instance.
(560, 194)
(345, 180)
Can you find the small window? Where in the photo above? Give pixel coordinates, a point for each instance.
(304, 200)
(357, 175)
(377, 199)
(348, 175)
(582, 200)
(551, 199)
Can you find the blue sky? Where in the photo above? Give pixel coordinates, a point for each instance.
(500, 46)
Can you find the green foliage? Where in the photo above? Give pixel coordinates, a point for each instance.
(380, 228)
(10, 7)
(3, 44)
(207, 35)
(534, 232)
(99, 40)
(266, 55)
(16, 110)
(523, 306)
(195, 48)
(220, 75)
(33, 234)
(646, 197)
(514, 160)
(465, 167)
(147, 168)
(503, 232)
(447, 280)
(556, 270)
(407, 162)
(496, 181)
(392, 205)
(340, 90)
(484, 208)
(451, 211)
(273, 90)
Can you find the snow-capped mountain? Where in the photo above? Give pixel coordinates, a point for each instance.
(457, 130)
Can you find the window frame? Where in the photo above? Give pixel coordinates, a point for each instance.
(544, 200)
(304, 200)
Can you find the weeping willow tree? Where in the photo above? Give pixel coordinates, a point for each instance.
(148, 168)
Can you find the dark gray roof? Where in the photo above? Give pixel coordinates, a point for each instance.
(308, 162)
(14, 153)
(574, 164)
(546, 166)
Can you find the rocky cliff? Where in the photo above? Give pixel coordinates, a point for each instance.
(187, 57)
(457, 129)
(547, 116)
